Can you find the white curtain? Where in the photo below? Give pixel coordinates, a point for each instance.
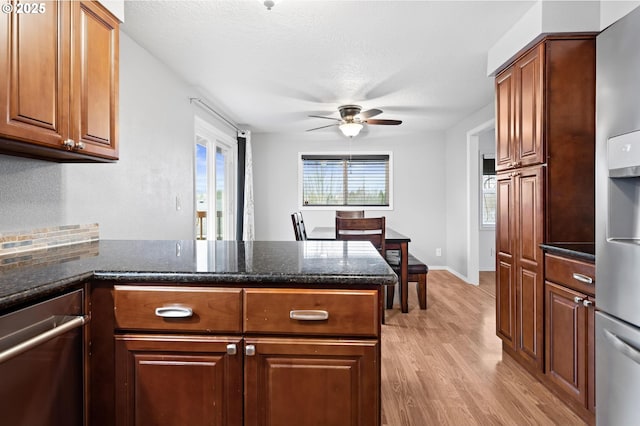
(248, 230)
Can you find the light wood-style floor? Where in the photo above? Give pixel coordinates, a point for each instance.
(445, 366)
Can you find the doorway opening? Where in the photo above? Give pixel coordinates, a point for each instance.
(215, 183)
(480, 236)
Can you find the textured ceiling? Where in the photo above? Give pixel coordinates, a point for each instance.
(423, 62)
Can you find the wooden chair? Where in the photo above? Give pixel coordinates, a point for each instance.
(352, 214)
(369, 229)
(298, 226)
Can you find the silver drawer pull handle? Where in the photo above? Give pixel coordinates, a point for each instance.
(174, 312)
(309, 315)
(250, 350)
(583, 278)
(232, 349)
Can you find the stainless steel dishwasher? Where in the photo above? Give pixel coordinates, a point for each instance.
(41, 363)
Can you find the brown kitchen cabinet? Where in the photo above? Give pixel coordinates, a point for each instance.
(178, 380)
(60, 101)
(545, 158)
(519, 97)
(325, 382)
(519, 291)
(240, 356)
(569, 328)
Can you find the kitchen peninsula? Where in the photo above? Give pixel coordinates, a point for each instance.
(221, 332)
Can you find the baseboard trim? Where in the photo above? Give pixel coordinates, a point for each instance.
(452, 271)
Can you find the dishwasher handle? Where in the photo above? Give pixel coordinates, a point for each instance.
(622, 346)
(68, 323)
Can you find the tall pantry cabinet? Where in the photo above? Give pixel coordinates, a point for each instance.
(545, 128)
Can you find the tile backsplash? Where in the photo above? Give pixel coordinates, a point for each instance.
(12, 243)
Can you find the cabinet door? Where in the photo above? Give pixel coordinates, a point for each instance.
(312, 382)
(529, 102)
(178, 380)
(34, 58)
(566, 340)
(505, 120)
(505, 245)
(529, 265)
(94, 79)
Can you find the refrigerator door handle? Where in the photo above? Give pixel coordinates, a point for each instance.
(622, 346)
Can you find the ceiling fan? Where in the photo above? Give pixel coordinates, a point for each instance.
(352, 119)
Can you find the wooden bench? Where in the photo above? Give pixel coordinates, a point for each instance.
(417, 273)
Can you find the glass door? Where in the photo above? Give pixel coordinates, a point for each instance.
(215, 184)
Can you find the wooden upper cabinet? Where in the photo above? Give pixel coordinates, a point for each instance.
(35, 94)
(505, 119)
(529, 101)
(519, 109)
(95, 80)
(60, 98)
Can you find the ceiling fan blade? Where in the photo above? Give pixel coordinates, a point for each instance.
(370, 113)
(322, 127)
(385, 122)
(328, 118)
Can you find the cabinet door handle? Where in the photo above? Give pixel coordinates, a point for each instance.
(308, 315)
(68, 143)
(79, 145)
(174, 312)
(250, 350)
(587, 303)
(232, 349)
(578, 299)
(582, 278)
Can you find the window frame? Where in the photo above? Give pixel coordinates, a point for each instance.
(481, 192)
(301, 204)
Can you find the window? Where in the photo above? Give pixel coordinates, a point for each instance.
(345, 180)
(488, 192)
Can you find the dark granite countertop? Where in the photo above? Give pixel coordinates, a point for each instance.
(582, 251)
(43, 273)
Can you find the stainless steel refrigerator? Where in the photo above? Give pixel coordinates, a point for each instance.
(618, 223)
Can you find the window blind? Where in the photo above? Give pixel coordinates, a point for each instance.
(345, 180)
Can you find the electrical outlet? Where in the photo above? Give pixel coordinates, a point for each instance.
(438, 251)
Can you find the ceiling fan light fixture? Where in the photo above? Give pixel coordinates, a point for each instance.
(269, 4)
(350, 129)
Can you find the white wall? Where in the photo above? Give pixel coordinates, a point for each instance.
(419, 190)
(457, 205)
(134, 198)
(544, 17)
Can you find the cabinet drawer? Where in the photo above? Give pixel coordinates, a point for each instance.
(213, 309)
(296, 311)
(561, 270)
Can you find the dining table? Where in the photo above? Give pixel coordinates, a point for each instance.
(393, 240)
